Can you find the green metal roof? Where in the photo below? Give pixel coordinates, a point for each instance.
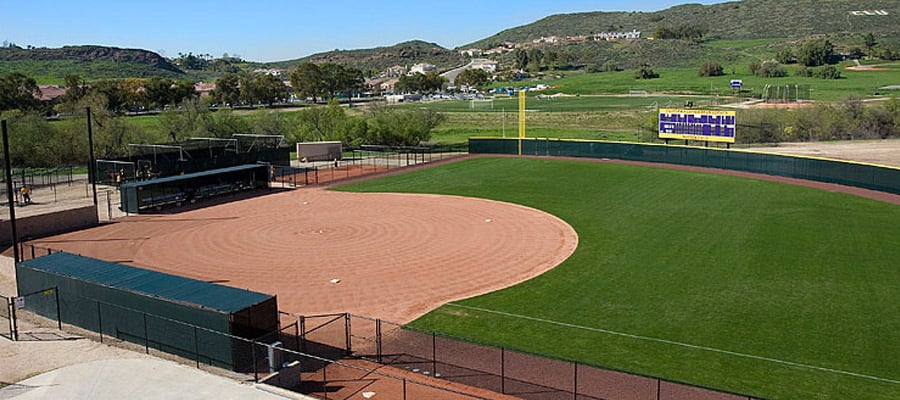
(150, 283)
(176, 178)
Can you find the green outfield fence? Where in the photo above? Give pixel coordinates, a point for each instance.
(867, 176)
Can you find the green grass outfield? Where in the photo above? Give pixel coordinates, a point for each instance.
(756, 287)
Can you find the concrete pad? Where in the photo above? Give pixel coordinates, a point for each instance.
(136, 379)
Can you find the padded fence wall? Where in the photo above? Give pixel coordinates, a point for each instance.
(123, 314)
(881, 178)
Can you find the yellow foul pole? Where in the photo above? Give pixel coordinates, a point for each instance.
(521, 119)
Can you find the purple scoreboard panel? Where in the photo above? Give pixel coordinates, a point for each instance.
(702, 125)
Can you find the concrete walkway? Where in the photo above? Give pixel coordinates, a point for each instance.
(135, 379)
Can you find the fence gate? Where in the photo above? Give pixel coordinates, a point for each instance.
(7, 318)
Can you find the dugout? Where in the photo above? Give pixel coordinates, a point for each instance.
(154, 194)
(176, 315)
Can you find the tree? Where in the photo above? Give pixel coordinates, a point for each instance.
(228, 89)
(827, 72)
(711, 68)
(474, 77)
(785, 56)
(645, 72)
(870, 42)
(269, 89)
(308, 81)
(391, 126)
(768, 69)
(18, 92)
(521, 59)
(815, 52)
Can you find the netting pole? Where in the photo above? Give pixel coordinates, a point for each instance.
(433, 351)
(658, 389)
(404, 388)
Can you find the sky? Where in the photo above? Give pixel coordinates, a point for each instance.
(278, 30)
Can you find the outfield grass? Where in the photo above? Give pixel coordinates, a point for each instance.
(797, 285)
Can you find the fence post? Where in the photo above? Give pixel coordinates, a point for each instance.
(378, 340)
(253, 354)
(503, 370)
(146, 336)
(433, 351)
(196, 347)
(32, 252)
(347, 333)
(13, 324)
(658, 388)
(575, 384)
(325, 380)
(404, 388)
(58, 314)
(302, 334)
(297, 336)
(99, 322)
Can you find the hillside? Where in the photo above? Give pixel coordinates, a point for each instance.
(380, 58)
(741, 20)
(93, 62)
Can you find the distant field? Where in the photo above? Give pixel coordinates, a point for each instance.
(756, 287)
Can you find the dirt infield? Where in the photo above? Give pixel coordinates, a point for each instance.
(392, 256)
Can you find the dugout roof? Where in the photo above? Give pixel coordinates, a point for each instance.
(149, 283)
(192, 175)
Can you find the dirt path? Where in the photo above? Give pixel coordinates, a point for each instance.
(882, 152)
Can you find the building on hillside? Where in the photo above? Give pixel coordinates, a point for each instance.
(489, 66)
(395, 71)
(204, 89)
(633, 35)
(473, 52)
(49, 93)
(269, 71)
(546, 40)
(422, 68)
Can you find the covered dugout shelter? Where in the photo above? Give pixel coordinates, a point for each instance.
(176, 315)
(154, 194)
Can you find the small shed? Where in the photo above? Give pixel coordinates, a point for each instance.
(319, 151)
(186, 317)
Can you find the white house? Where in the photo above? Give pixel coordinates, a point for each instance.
(422, 68)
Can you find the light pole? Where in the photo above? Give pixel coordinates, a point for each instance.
(10, 195)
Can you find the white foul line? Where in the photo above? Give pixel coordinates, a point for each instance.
(674, 343)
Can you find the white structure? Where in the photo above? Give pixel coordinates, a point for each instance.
(422, 68)
(634, 34)
(489, 66)
(549, 40)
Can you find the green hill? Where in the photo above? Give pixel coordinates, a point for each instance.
(379, 58)
(92, 62)
(740, 20)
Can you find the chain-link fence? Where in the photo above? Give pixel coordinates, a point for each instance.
(507, 371)
(365, 160)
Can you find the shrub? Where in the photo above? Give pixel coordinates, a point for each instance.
(711, 68)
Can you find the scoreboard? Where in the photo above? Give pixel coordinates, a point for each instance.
(702, 125)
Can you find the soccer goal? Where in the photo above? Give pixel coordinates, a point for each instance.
(485, 104)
